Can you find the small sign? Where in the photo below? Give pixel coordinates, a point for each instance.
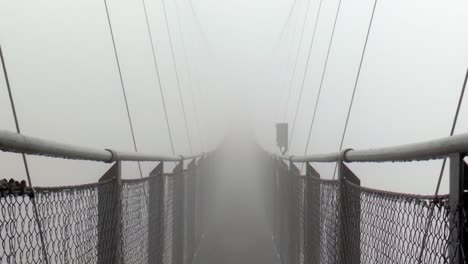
(282, 135)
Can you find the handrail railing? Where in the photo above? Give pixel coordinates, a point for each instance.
(426, 150)
(18, 143)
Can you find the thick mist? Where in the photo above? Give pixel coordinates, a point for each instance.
(235, 63)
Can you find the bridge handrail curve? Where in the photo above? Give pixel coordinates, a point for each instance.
(425, 150)
(19, 143)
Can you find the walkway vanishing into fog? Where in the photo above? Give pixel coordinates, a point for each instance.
(237, 229)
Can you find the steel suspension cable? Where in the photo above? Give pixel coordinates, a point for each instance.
(330, 44)
(189, 77)
(280, 37)
(284, 67)
(288, 19)
(442, 169)
(122, 85)
(301, 36)
(356, 82)
(25, 160)
(155, 62)
(199, 26)
(177, 77)
(305, 71)
(452, 130)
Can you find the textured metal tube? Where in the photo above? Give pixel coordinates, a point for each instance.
(432, 149)
(18, 143)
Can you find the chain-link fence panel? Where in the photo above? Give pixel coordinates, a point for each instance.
(149, 220)
(401, 228)
(338, 221)
(69, 220)
(134, 240)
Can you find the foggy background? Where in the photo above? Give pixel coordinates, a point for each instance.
(65, 82)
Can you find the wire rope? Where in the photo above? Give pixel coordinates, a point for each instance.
(122, 85)
(25, 160)
(177, 77)
(356, 82)
(305, 71)
(330, 44)
(155, 62)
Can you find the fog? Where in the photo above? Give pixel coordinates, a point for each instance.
(236, 75)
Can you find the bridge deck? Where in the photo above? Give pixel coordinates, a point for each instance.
(237, 232)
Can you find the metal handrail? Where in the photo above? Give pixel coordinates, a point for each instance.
(426, 150)
(19, 143)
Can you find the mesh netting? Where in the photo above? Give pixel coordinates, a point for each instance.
(324, 221)
(149, 220)
(400, 228)
(69, 221)
(134, 240)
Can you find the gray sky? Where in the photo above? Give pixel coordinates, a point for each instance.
(64, 77)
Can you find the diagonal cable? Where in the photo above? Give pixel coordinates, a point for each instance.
(25, 160)
(177, 76)
(356, 82)
(317, 100)
(156, 67)
(442, 169)
(305, 71)
(189, 77)
(291, 81)
(122, 85)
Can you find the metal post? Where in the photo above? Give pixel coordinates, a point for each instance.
(349, 218)
(312, 216)
(283, 237)
(109, 216)
(458, 208)
(293, 178)
(199, 201)
(190, 211)
(178, 214)
(156, 215)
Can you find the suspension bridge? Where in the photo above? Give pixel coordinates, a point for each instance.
(237, 203)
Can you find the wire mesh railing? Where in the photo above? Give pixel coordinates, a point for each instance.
(338, 221)
(148, 220)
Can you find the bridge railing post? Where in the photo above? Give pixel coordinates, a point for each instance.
(312, 234)
(282, 210)
(178, 227)
(458, 209)
(294, 214)
(109, 216)
(199, 200)
(349, 222)
(190, 203)
(156, 213)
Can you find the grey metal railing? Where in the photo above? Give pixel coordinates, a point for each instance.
(431, 149)
(155, 219)
(338, 221)
(18, 143)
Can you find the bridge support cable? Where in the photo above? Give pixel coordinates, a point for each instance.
(452, 130)
(200, 28)
(286, 66)
(288, 19)
(189, 77)
(132, 131)
(25, 160)
(322, 78)
(305, 71)
(285, 26)
(177, 76)
(296, 59)
(156, 67)
(356, 82)
(442, 169)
